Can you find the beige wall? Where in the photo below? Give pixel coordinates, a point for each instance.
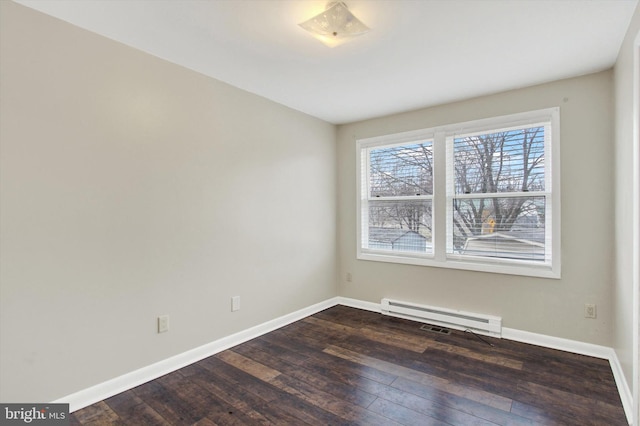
(546, 306)
(624, 257)
(132, 188)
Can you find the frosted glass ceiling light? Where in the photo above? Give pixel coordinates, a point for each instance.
(335, 25)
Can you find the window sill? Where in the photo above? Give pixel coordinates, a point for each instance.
(512, 268)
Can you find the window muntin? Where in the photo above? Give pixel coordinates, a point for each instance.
(480, 193)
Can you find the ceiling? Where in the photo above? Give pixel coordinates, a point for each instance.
(419, 53)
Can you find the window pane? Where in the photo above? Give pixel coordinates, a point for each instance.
(401, 170)
(506, 161)
(491, 206)
(400, 226)
(507, 227)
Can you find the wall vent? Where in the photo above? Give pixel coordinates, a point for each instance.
(488, 325)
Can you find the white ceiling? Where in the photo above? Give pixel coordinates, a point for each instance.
(419, 52)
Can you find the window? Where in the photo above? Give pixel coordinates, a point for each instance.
(482, 195)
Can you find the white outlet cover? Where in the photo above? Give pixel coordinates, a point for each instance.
(235, 303)
(163, 324)
(590, 310)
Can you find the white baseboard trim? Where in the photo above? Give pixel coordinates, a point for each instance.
(581, 348)
(360, 304)
(551, 342)
(623, 387)
(135, 378)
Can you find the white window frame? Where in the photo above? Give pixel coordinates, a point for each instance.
(442, 165)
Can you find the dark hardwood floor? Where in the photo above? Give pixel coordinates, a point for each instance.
(349, 366)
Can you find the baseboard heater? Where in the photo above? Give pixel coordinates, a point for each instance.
(478, 323)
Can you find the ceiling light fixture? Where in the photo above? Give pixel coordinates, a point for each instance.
(335, 25)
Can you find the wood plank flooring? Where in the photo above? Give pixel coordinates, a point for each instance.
(347, 366)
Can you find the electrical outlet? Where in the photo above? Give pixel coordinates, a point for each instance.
(590, 310)
(235, 303)
(163, 324)
(349, 277)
